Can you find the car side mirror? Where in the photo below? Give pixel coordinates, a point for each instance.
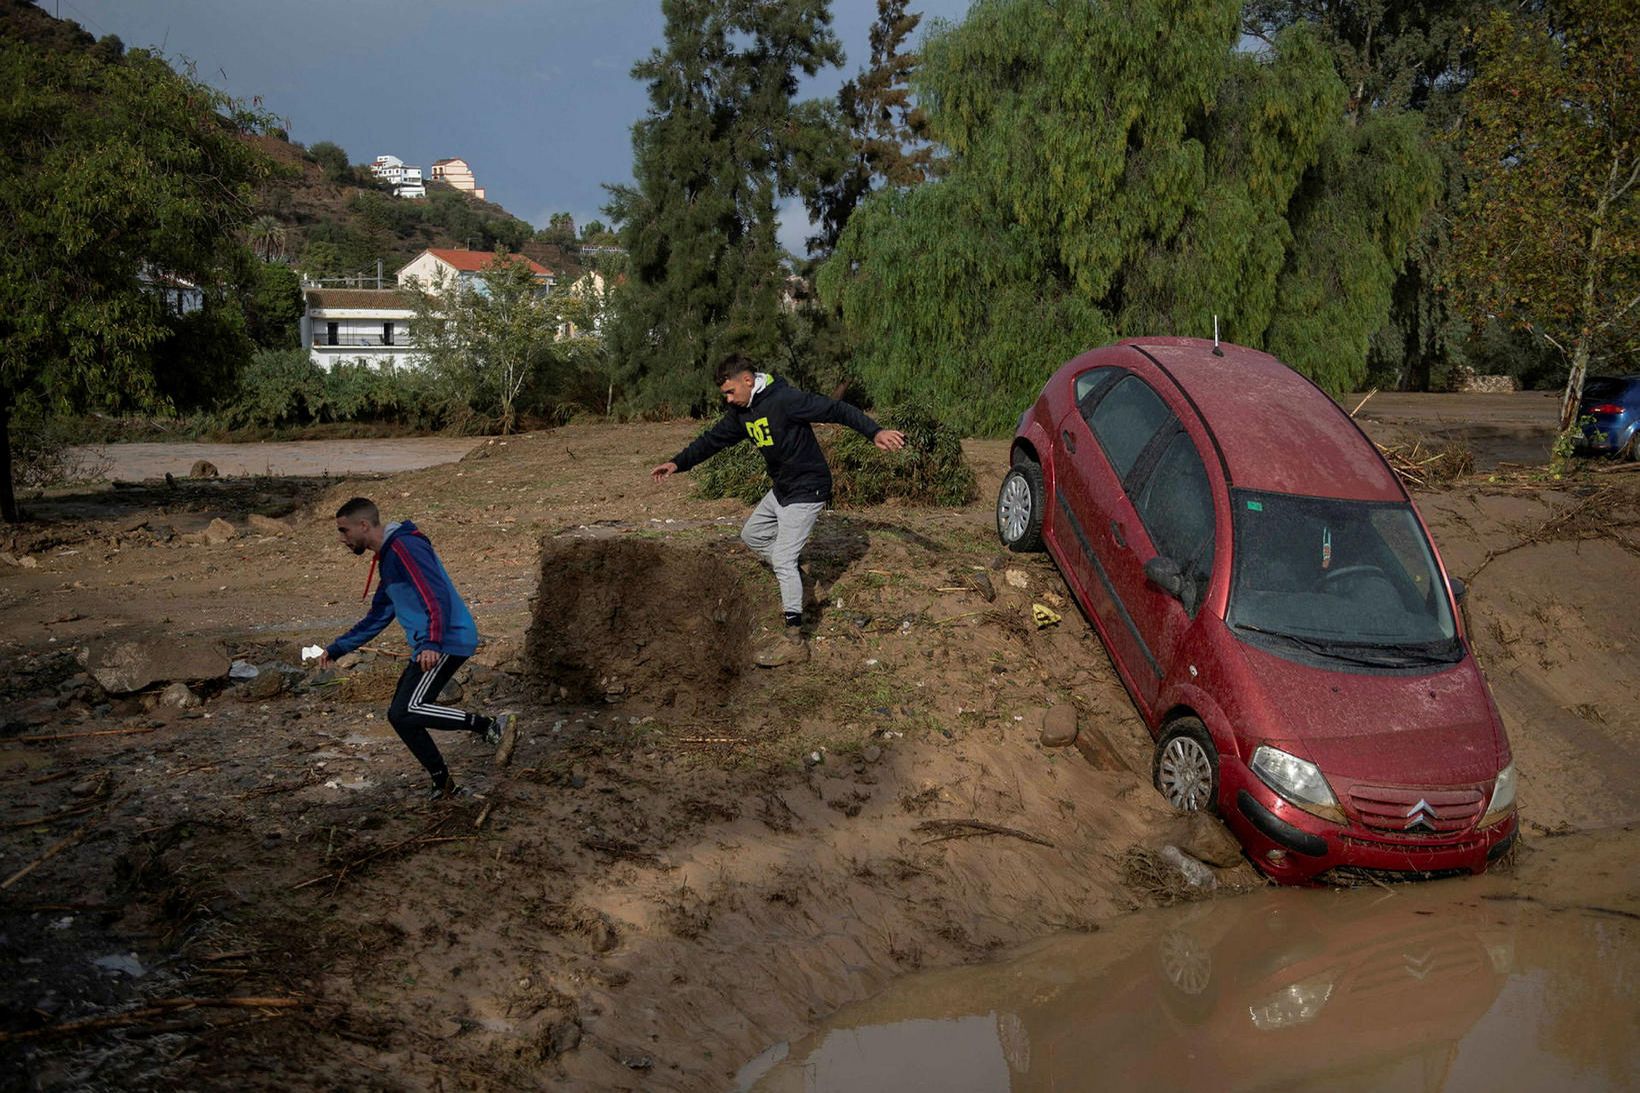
(1164, 573)
(1459, 588)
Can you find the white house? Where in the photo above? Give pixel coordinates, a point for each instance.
(456, 172)
(406, 181)
(343, 325)
(438, 265)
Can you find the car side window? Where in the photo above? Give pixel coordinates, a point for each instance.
(1125, 419)
(1091, 384)
(1176, 505)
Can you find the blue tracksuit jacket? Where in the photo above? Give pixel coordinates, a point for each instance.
(415, 588)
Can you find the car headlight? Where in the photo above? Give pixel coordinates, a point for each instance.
(1503, 797)
(1293, 1005)
(1298, 780)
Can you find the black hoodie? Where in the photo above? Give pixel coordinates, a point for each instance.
(778, 422)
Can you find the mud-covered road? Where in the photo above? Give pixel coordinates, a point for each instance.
(686, 862)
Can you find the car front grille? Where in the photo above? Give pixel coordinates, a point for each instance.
(1354, 876)
(1416, 813)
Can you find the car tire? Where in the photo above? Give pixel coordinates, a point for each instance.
(1185, 770)
(1019, 507)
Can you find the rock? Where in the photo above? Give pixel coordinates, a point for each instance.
(1096, 749)
(178, 697)
(348, 660)
(8, 559)
(86, 788)
(452, 694)
(219, 531)
(1017, 578)
(129, 665)
(1059, 726)
(602, 935)
(203, 468)
(871, 753)
(982, 584)
(243, 669)
(268, 683)
(1195, 873)
(267, 525)
(1204, 837)
(28, 561)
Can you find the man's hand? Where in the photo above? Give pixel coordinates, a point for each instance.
(426, 659)
(324, 661)
(889, 440)
(665, 470)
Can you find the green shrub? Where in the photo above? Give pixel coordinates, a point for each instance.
(929, 470)
(282, 388)
(277, 387)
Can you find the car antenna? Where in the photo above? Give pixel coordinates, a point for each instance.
(1217, 352)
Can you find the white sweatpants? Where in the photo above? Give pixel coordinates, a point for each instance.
(777, 533)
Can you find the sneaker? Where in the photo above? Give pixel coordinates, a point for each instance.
(786, 648)
(449, 791)
(498, 729)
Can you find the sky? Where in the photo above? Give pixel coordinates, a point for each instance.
(536, 95)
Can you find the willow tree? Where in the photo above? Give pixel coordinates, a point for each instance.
(1123, 172)
(1550, 234)
(724, 140)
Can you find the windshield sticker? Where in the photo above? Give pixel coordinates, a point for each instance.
(1256, 506)
(1326, 548)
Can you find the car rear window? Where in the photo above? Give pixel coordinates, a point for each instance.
(1605, 387)
(1124, 421)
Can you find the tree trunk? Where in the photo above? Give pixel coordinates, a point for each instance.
(8, 497)
(1585, 310)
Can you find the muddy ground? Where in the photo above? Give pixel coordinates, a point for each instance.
(687, 860)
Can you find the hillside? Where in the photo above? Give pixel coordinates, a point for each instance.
(335, 221)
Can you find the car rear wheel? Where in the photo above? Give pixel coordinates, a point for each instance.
(1019, 507)
(1186, 768)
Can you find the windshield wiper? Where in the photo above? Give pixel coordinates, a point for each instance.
(1434, 652)
(1397, 656)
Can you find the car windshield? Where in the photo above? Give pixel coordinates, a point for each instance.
(1351, 580)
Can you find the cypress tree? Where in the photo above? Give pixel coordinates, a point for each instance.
(722, 142)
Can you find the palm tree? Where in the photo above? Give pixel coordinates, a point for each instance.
(266, 237)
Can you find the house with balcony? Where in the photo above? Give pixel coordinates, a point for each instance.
(348, 325)
(457, 173)
(405, 180)
(441, 266)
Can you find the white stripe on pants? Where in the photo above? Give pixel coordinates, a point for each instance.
(777, 533)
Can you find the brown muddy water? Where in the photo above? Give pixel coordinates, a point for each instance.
(143, 460)
(1516, 981)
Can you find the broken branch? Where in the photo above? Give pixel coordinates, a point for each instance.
(969, 829)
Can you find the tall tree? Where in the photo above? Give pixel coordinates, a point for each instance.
(1396, 56)
(1120, 172)
(887, 130)
(1550, 234)
(722, 142)
(122, 175)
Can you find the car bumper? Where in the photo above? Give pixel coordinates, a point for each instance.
(1293, 847)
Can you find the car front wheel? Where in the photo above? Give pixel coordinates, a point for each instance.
(1186, 767)
(1019, 507)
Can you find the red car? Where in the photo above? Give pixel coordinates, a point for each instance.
(1272, 601)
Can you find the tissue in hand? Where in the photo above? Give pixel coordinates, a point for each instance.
(312, 652)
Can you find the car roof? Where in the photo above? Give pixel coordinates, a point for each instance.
(1275, 429)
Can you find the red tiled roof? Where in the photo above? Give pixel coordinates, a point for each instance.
(475, 261)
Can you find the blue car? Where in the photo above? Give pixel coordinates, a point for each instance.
(1612, 405)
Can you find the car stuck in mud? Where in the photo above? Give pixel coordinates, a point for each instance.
(1272, 601)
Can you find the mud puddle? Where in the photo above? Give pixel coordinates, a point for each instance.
(1520, 981)
(140, 460)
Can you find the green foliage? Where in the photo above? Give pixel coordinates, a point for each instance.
(332, 160)
(929, 470)
(1549, 234)
(273, 307)
(120, 173)
(721, 143)
(1124, 171)
(284, 388)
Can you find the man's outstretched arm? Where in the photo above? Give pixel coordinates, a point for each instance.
(381, 613)
(724, 434)
(819, 408)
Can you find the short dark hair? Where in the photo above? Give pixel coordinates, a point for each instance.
(732, 365)
(362, 507)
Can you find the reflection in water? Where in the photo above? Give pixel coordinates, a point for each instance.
(1428, 987)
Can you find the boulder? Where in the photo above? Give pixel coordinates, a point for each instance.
(269, 683)
(202, 468)
(1059, 726)
(123, 666)
(219, 531)
(1204, 837)
(178, 697)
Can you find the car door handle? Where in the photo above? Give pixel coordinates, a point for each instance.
(1070, 441)
(1116, 533)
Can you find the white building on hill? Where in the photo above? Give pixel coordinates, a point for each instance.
(406, 181)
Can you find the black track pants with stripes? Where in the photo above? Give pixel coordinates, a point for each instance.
(414, 711)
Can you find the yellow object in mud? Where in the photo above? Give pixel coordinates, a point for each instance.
(1044, 616)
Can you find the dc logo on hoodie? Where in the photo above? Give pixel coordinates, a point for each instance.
(759, 432)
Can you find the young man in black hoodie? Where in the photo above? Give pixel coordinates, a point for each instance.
(778, 419)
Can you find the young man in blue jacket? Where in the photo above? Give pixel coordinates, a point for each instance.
(416, 589)
(779, 419)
